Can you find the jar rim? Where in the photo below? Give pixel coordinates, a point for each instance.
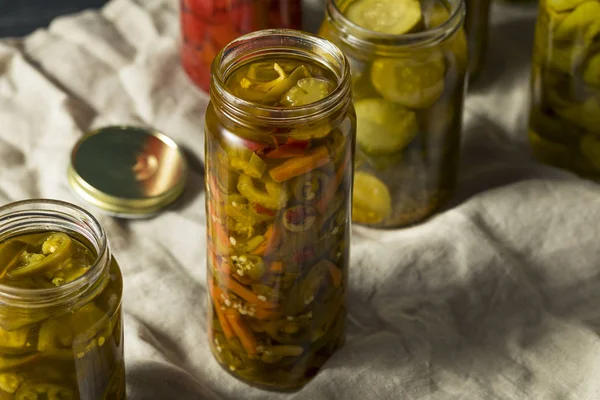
(276, 41)
(356, 35)
(30, 213)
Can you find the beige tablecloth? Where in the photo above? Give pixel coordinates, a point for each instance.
(496, 298)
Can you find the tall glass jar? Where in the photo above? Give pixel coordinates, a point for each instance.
(564, 122)
(278, 181)
(208, 25)
(408, 89)
(477, 26)
(61, 334)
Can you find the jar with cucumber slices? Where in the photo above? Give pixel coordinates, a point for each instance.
(408, 60)
(477, 27)
(280, 134)
(61, 334)
(564, 122)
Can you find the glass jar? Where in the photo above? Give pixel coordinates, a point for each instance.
(408, 94)
(61, 334)
(477, 22)
(208, 25)
(278, 204)
(564, 121)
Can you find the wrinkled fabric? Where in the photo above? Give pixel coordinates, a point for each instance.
(495, 298)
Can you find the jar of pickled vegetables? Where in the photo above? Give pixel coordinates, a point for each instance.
(61, 334)
(208, 25)
(280, 133)
(564, 122)
(477, 26)
(408, 61)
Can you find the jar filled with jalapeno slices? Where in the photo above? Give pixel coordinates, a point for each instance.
(408, 60)
(61, 334)
(280, 133)
(564, 122)
(477, 26)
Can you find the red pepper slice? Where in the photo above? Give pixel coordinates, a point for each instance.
(291, 148)
(263, 210)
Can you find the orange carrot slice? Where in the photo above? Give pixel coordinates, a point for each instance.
(335, 272)
(215, 294)
(245, 335)
(276, 267)
(300, 165)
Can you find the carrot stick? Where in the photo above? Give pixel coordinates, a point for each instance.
(245, 335)
(273, 241)
(215, 292)
(335, 272)
(276, 267)
(221, 234)
(247, 295)
(260, 250)
(300, 165)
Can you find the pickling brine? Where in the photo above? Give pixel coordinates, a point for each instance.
(409, 62)
(279, 141)
(61, 334)
(564, 125)
(208, 25)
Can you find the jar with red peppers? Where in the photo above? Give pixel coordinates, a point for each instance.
(208, 25)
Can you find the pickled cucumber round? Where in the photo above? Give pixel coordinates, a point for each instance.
(415, 82)
(384, 127)
(371, 202)
(394, 17)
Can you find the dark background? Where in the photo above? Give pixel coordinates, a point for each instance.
(20, 17)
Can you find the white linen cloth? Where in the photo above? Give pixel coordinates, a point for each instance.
(495, 298)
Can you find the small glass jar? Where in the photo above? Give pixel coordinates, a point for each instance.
(61, 335)
(408, 94)
(477, 23)
(278, 204)
(208, 25)
(564, 121)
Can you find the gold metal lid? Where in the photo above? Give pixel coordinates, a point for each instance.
(127, 171)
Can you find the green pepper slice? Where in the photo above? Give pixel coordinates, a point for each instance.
(249, 265)
(395, 17)
(10, 254)
(273, 196)
(306, 91)
(57, 248)
(247, 162)
(275, 94)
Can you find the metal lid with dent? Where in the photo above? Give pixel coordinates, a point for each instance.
(127, 171)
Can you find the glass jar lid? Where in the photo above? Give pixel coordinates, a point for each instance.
(126, 171)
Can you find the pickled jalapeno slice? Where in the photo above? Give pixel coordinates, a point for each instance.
(271, 238)
(57, 354)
